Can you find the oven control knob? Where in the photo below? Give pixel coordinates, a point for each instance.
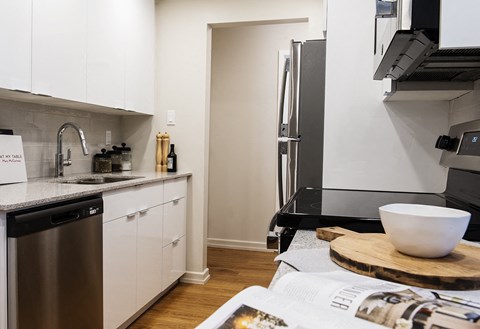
(445, 142)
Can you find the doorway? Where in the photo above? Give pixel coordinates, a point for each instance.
(243, 121)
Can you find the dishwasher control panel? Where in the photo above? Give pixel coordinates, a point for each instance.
(44, 217)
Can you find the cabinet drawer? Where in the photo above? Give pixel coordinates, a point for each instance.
(149, 195)
(174, 220)
(175, 189)
(118, 203)
(174, 262)
(130, 200)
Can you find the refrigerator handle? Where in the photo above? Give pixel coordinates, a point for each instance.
(282, 132)
(293, 118)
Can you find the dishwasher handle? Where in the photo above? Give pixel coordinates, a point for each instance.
(64, 217)
(23, 222)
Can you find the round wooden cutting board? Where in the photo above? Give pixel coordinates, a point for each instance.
(373, 255)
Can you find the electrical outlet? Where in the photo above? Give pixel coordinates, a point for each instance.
(108, 137)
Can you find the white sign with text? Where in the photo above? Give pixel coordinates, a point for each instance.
(12, 160)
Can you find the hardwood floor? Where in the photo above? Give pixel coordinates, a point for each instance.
(187, 305)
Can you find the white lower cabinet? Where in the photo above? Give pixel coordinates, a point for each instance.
(119, 270)
(149, 254)
(174, 231)
(173, 261)
(132, 250)
(144, 246)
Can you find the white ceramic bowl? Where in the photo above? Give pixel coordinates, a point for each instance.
(423, 231)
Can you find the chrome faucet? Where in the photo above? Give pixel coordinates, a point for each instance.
(59, 162)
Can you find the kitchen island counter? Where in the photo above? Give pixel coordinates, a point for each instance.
(306, 240)
(43, 191)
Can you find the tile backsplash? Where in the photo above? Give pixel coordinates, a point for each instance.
(38, 125)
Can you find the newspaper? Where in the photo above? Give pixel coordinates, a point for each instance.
(341, 299)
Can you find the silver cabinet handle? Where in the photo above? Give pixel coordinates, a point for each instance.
(131, 215)
(144, 211)
(176, 200)
(175, 242)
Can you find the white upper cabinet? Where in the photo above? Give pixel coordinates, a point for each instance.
(139, 52)
(106, 53)
(98, 52)
(120, 54)
(15, 38)
(459, 24)
(59, 39)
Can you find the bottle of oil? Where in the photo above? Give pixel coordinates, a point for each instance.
(172, 159)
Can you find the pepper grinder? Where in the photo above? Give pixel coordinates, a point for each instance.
(165, 143)
(158, 166)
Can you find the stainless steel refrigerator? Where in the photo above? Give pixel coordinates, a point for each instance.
(301, 124)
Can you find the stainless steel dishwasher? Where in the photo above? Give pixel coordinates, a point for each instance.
(55, 266)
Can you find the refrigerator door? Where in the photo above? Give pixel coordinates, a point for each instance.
(311, 115)
(301, 137)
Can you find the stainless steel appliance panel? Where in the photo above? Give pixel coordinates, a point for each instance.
(311, 119)
(306, 115)
(55, 277)
(300, 133)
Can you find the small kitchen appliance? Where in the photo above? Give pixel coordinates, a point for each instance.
(357, 210)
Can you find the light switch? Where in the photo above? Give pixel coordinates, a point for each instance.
(170, 118)
(108, 137)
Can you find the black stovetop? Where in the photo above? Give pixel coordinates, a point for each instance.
(357, 210)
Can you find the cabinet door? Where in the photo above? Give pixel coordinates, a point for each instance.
(139, 56)
(174, 261)
(59, 48)
(174, 221)
(119, 271)
(149, 254)
(16, 38)
(106, 53)
(458, 23)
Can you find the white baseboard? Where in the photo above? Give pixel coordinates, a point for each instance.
(196, 277)
(238, 244)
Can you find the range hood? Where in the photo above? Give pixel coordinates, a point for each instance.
(427, 40)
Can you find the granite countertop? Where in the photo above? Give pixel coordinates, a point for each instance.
(306, 240)
(317, 250)
(42, 191)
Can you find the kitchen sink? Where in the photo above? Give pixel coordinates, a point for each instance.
(95, 180)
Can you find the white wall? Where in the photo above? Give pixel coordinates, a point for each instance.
(243, 128)
(467, 107)
(370, 144)
(183, 40)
